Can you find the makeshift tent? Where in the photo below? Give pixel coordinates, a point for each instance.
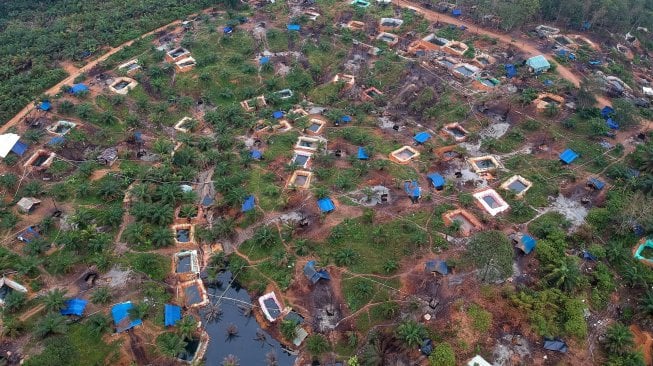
(413, 190)
(45, 105)
(511, 71)
(26, 204)
(437, 265)
(437, 180)
(456, 12)
(249, 203)
(28, 235)
(121, 318)
(264, 60)
(556, 344)
(596, 183)
(315, 275)
(294, 27)
(74, 307)
(228, 30)
(78, 88)
(612, 124)
(526, 243)
(568, 156)
(19, 148)
(422, 137)
(172, 314)
(362, 154)
(538, 64)
(257, 155)
(7, 142)
(57, 140)
(589, 256)
(326, 205)
(345, 119)
(277, 114)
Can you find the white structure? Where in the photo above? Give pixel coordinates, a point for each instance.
(7, 286)
(7, 142)
(490, 201)
(478, 361)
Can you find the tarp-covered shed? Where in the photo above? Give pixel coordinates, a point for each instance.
(171, 314)
(121, 318)
(45, 105)
(78, 88)
(422, 137)
(596, 183)
(568, 156)
(557, 345)
(326, 204)
(437, 265)
(74, 307)
(362, 153)
(313, 274)
(538, 64)
(294, 27)
(437, 180)
(526, 243)
(511, 71)
(27, 204)
(607, 111)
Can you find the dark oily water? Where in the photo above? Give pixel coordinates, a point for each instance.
(251, 345)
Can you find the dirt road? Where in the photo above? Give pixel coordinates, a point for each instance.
(69, 80)
(525, 45)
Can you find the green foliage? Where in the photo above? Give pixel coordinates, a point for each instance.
(170, 344)
(52, 323)
(14, 301)
(492, 253)
(156, 266)
(443, 355)
(481, 319)
(618, 339)
(552, 313)
(316, 344)
(288, 329)
(101, 295)
(54, 300)
(411, 333)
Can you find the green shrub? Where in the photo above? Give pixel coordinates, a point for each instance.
(443, 355)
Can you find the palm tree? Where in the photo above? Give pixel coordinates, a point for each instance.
(55, 300)
(101, 295)
(265, 237)
(170, 344)
(635, 275)
(390, 266)
(564, 275)
(618, 339)
(288, 329)
(186, 327)
(317, 344)
(162, 237)
(98, 324)
(138, 311)
(411, 333)
(646, 303)
(346, 257)
(12, 327)
(52, 323)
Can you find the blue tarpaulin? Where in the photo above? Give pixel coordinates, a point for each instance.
(121, 319)
(607, 111)
(511, 71)
(596, 183)
(589, 256)
(568, 156)
(595, 63)
(413, 189)
(437, 265)
(456, 12)
(527, 243)
(58, 140)
(426, 347)
(78, 88)
(538, 63)
(45, 105)
(315, 275)
(228, 30)
(345, 119)
(249, 203)
(362, 153)
(255, 154)
(294, 27)
(207, 200)
(277, 114)
(436, 179)
(555, 344)
(28, 235)
(138, 136)
(264, 60)
(614, 125)
(74, 307)
(422, 137)
(326, 204)
(19, 148)
(172, 314)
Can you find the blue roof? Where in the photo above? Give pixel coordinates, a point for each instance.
(249, 203)
(568, 156)
(207, 200)
(326, 204)
(78, 88)
(314, 275)
(596, 183)
(120, 314)
(228, 30)
(614, 125)
(19, 148)
(437, 265)
(45, 105)
(294, 27)
(606, 111)
(527, 243)
(255, 154)
(436, 179)
(412, 189)
(171, 315)
(277, 114)
(264, 60)
(538, 63)
(422, 137)
(345, 119)
(362, 153)
(511, 71)
(57, 140)
(74, 307)
(456, 12)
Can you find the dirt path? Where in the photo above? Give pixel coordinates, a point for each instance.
(528, 47)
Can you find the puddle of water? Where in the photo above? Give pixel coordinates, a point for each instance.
(244, 345)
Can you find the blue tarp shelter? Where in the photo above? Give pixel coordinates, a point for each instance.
(121, 319)
(566, 54)
(555, 344)
(595, 62)
(315, 275)
(19, 148)
(526, 243)
(596, 183)
(264, 60)
(138, 136)
(568, 156)
(413, 190)
(249, 204)
(612, 124)
(78, 88)
(422, 137)
(207, 200)
(589, 256)
(45, 105)
(345, 119)
(171, 315)
(437, 265)
(228, 30)
(255, 154)
(277, 114)
(326, 205)
(436, 179)
(538, 64)
(28, 235)
(362, 153)
(74, 307)
(58, 140)
(294, 27)
(607, 111)
(456, 12)
(511, 71)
